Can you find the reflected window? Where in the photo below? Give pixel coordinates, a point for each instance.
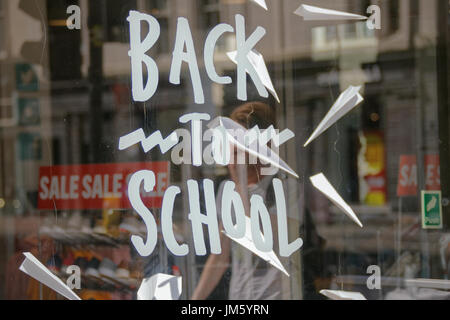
(331, 33)
(210, 17)
(157, 6)
(394, 15)
(116, 20)
(160, 10)
(211, 13)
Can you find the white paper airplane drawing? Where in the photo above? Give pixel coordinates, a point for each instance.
(348, 100)
(160, 287)
(262, 3)
(247, 242)
(150, 142)
(35, 269)
(342, 295)
(312, 13)
(257, 61)
(261, 151)
(321, 183)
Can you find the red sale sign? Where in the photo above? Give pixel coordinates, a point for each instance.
(98, 186)
(407, 175)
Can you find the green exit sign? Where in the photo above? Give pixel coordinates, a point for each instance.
(431, 209)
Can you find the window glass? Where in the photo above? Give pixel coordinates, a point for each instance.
(243, 150)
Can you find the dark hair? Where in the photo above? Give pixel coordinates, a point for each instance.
(254, 113)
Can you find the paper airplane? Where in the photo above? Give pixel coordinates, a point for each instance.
(257, 61)
(348, 100)
(321, 183)
(35, 269)
(342, 295)
(160, 287)
(264, 153)
(247, 242)
(262, 3)
(311, 13)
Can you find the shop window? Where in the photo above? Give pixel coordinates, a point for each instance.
(63, 169)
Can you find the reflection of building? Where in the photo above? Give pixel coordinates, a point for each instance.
(24, 101)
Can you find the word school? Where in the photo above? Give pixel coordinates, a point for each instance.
(144, 91)
(231, 199)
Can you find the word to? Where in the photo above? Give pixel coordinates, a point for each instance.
(221, 147)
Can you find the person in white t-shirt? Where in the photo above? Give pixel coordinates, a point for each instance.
(252, 278)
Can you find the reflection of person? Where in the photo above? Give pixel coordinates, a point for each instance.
(252, 277)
